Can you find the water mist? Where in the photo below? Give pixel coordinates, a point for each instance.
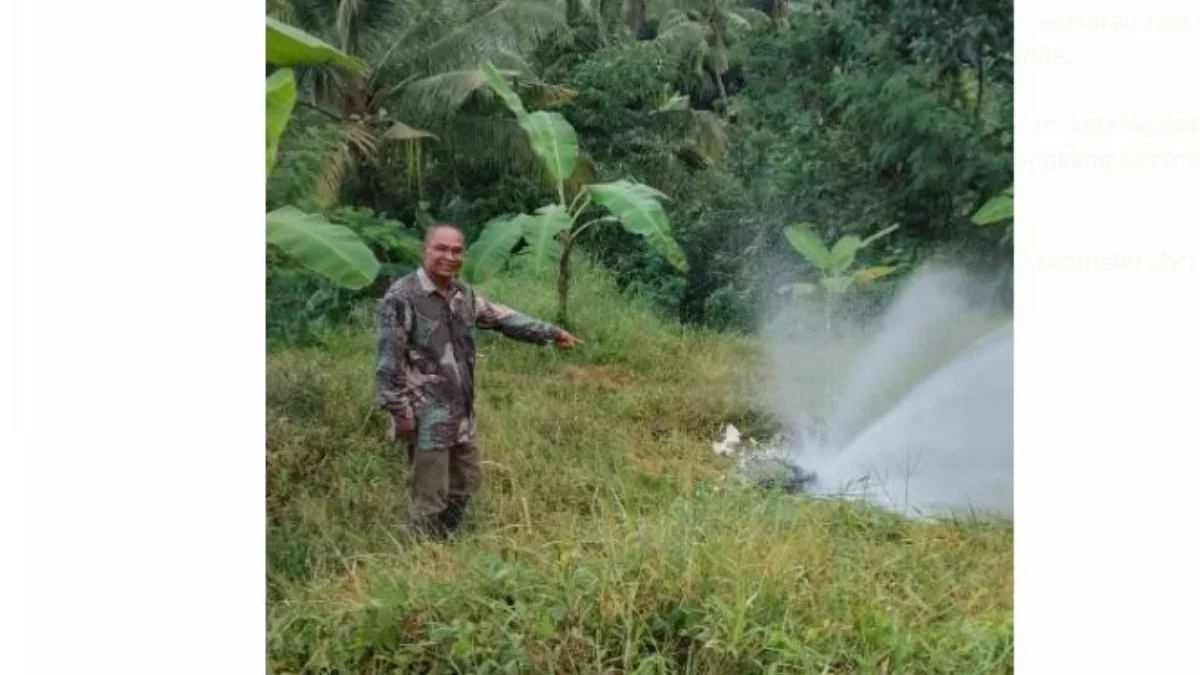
(916, 414)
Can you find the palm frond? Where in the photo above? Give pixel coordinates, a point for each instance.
(708, 133)
(699, 136)
(334, 169)
(746, 17)
(509, 60)
(487, 143)
(439, 97)
(512, 26)
(685, 44)
(359, 144)
(346, 23)
(318, 83)
(315, 16)
(671, 102)
(400, 131)
(362, 139)
(717, 58)
(355, 26)
(282, 10)
(660, 8)
(673, 17)
(682, 36)
(425, 22)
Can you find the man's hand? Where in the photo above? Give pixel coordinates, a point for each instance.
(565, 340)
(406, 429)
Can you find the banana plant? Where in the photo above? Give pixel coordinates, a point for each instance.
(550, 233)
(333, 251)
(834, 265)
(997, 210)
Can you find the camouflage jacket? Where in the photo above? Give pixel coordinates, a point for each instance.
(425, 354)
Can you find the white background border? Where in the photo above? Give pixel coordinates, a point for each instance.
(133, 337)
(131, 349)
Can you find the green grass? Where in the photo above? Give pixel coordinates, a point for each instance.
(606, 539)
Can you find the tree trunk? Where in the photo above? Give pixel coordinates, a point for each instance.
(599, 18)
(635, 16)
(366, 182)
(721, 60)
(564, 282)
(722, 97)
(779, 10)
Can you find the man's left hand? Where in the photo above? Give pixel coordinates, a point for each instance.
(565, 340)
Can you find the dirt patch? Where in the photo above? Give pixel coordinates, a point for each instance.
(607, 378)
(650, 467)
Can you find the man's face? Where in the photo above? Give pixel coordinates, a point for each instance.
(444, 253)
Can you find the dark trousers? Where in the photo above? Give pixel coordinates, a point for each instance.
(443, 480)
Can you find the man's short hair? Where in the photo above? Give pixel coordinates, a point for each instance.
(438, 226)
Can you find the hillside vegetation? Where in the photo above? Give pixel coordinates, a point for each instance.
(749, 115)
(608, 537)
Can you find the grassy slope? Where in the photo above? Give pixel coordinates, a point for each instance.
(605, 540)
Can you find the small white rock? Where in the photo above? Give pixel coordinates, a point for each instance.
(726, 445)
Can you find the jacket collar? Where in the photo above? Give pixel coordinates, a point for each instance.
(427, 285)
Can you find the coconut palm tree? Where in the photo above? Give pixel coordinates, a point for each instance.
(698, 32)
(423, 82)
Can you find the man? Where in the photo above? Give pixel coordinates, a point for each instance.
(425, 375)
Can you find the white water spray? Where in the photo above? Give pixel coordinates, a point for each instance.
(923, 422)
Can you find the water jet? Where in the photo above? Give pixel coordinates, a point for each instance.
(922, 420)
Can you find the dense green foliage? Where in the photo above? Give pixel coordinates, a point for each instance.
(550, 234)
(309, 239)
(849, 116)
